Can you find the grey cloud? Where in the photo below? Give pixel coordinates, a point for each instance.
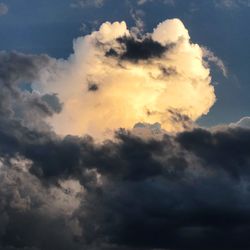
(53, 102)
(136, 50)
(189, 190)
(244, 122)
(20, 105)
(184, 191)
(30, 217)
(16, 67)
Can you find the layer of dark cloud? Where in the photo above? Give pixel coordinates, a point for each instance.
(154, 194)
(135, 50)
(185, 191)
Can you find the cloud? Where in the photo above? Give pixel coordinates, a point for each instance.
(137, 79)
(17, 104)
(3, 9)
(212, 58)
(169, 2)
(32, 213)
(146, 188)
(186, 189)
(84, 3)
(137, 16)
(99, 3)
(244, 122)
(136, 50)
(230, 4)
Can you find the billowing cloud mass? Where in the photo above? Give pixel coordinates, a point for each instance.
(145, 188)
(180, 192)
(116, 79)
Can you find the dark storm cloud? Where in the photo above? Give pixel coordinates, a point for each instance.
(18, 105)
(184, 196)
(15, 66)
(185, 191)
(226, 149)
(135, 50)
(203, 206)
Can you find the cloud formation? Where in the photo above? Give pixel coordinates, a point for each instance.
(144, 189)
(190, 190)
(229, 4)
(135, 79)
(244, 122)
(212, 58)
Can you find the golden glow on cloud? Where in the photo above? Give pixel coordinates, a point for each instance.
(130, 92)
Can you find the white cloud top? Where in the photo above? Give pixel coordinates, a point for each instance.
(130, 91)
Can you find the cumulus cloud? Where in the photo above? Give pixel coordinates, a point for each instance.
(3, 9)
(116, 79)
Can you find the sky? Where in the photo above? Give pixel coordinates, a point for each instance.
(50, 27)
(124, 125)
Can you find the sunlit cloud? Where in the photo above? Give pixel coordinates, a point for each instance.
(114, 79)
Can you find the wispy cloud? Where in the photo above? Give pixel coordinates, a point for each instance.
(210, 57)
(232, 3)
(84, 3)
(99, 3)
(3, 9)
(141, 2)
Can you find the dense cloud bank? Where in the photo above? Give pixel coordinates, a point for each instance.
(143, 189)
(181, 192)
